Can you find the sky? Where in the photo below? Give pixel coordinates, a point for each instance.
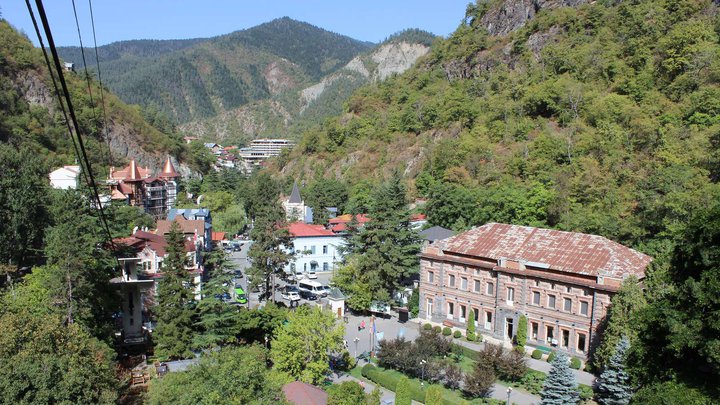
(117, 20)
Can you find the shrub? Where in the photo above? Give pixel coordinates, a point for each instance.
(457, 334)
(437, 329)
(479, 337)
(575, 363)
(471, 323)
(366, 369)
(433, 396)
(536, 354)
(446, 331)
(427, 326)
(402, 392)
(551, 357)
(479, 383)
(470, 337)
(585, 392)
(532, 381)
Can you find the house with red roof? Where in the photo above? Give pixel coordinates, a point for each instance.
(135, 186)
(316, 249)
(340, 223)
(562, 282)
(300, 393)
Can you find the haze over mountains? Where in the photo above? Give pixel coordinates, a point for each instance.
(250, 82)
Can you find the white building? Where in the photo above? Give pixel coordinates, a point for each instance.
(295, 208)
(315, 248)
(65, 177)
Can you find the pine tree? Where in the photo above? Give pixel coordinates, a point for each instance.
(614, 384)
(471, 324)
(217, 320)
(174, 333)
(386, 247)
(560, 387)
(268, 252)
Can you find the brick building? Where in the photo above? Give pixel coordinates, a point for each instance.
(561, 281)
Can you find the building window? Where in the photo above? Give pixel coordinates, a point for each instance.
(549, 334)
(477, 286)
(565, 338)
(581, 342)
(451, 309)
(312, 249)
(551, 301)
(452, 280)
(534, 329)
(583, 308)
(510, 295)
(463, 283)
(488, 320)
(326, 266)
(567, 304)
(431, 277)
(463, 312)
(477, 315)
(491, 289)
(536, 298)
(325, 249)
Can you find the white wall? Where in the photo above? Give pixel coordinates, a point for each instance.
(63, 179)
(303, 246)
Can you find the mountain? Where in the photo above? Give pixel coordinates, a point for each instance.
(200, 78)
(30, 116)
(593, 118)
(293, 111)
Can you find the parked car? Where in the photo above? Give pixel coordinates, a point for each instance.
(326, 289)
(291, 296)
(308, 295)
(312, 274)
(238, 273)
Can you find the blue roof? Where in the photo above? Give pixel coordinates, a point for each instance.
(188, 213)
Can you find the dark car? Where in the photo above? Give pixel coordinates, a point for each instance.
(310, 296)
(238, 274)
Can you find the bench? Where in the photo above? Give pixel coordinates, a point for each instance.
(449, 324)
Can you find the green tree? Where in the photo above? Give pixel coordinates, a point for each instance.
(232, 374)
(521, 337)
(386, 247)
(402, 392)
(23, 206)
(470, 324)
(622, 315)
(670, 392)
(560, 387)
(355, 283)
(217, 320)
(325, 193)
(175, 306)
(268, 253)
(433, 395)
(302, 346)
(347, 393)
(257, 325)
(414, 303)
(614, 384)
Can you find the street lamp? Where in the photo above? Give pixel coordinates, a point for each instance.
(356, 340)
(509, 390)
(422, 375)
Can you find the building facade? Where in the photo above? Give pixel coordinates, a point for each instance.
(135, 186)
(295, 208)
(65, 178)
(561, 281)
(315, 248)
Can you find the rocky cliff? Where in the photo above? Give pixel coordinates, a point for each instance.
(509, 15)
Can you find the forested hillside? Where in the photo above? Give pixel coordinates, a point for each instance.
(200, 78)
(294, 110)
(31, 119)
(602, 118)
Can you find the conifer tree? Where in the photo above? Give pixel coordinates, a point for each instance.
(614, 384)
(560, 387)
(521, 337)
(268, 252)
(174, 333)
(402, 392)
(217, 320)
(386, 247)
(471, 324)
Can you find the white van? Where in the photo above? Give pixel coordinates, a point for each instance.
(312, 287)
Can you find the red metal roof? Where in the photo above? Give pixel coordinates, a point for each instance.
(299, 229)
(218, 236)
(360, 218)
(169, 170)
(570, 252)
(300, 393)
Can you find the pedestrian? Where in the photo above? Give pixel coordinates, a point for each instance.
(345, 345)
(362, 324)
(362, 384)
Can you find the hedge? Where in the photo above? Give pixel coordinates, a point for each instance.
(388, 380)
(470, 337)
(457, 334)
(437, 329)
(466, 352)
(427, 326)
(536, 354)
(551, 357)
(446, 331)
(575, 363)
